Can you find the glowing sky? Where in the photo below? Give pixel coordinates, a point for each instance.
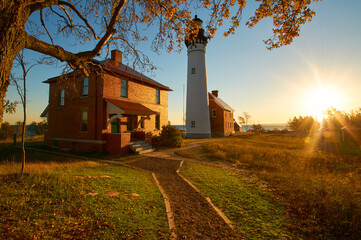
(272, 86)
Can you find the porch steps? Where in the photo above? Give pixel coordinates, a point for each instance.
(141, 147)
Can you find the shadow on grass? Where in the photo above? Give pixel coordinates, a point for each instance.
(38, 152)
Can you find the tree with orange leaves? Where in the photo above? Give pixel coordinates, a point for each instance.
(121, 23)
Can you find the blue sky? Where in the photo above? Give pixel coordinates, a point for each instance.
(272, 86)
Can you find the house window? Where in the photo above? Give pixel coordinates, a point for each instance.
(84, 121)
(214, 113)
(157, 122)
(115, 126)
(157, 96)
(193, 70)
(193, 124)
(85, 86)
(124, 88)
(62, 98)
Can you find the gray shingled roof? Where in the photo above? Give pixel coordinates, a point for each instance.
(220, 102)
(121, 69)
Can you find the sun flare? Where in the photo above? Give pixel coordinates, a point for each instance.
(321, 99)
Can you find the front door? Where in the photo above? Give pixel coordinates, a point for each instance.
(115, 126)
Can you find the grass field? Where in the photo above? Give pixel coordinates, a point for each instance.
(321, 191)
(66, 198)
(286, 190)
(256, 213)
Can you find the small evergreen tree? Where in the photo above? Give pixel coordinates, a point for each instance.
(170, 136)
(258, 128)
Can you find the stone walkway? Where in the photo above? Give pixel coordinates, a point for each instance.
(194, 217)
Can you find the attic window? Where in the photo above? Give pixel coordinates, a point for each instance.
(214, 112)
(193, 70)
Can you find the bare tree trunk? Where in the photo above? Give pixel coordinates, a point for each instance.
(23, 132)
(12, 40)
(22, 94)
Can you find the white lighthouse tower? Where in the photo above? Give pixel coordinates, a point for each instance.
(197, 108)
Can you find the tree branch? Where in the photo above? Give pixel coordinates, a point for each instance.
(78, 60)
(67, 14)
(61, 16)
(36, 5)
(42, 23)
(51, 50)
(108, 34)
(61, 3)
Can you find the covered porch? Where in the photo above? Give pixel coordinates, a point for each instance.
(125, 122)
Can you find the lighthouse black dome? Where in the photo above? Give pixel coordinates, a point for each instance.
(198, 21)
(201, 38)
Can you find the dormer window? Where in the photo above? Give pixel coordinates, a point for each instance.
(85, 86)
(124, 88)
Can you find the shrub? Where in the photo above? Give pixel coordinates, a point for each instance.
(170, 137)
(156, 141)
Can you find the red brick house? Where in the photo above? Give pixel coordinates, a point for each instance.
(237, 127)
(221, 116)
(107, 110)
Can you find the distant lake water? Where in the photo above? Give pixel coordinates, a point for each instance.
(180, 127)
(267, 127)
(244, 128)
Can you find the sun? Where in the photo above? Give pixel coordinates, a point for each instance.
(317, 101)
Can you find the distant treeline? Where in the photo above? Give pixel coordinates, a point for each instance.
(7, 131)
(334, 120)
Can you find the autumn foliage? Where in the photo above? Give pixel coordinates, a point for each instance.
(123, 24)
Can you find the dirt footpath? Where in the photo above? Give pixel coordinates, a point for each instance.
(193, 216)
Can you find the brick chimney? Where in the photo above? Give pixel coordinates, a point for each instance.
(215, 93)
(117, 56)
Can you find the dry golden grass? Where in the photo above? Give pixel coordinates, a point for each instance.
(37, 138)
(61, 196)
(10, 167)
(322, 191)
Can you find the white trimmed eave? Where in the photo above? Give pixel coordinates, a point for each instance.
(112, 109)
